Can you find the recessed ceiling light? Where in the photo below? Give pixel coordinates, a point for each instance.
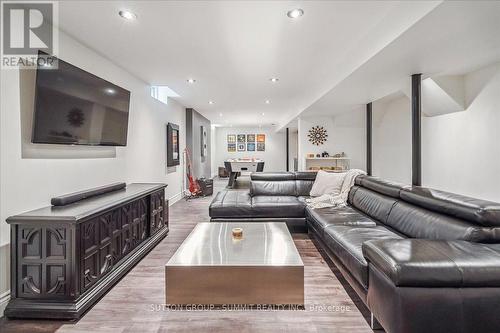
(268, 101)
(274, 79)
(263, 114)
(211, 102)
(220, 114)
(128, 15)
(110, 91)
(191, 80)
(295, 13)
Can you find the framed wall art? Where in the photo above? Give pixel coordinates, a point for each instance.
(317, 135)
(173, 153)
(204, 140)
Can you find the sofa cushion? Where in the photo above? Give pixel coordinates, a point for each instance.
(303, 187)
(429, 263)
(479, 211)
(231, 203)
(379, 185)
(277, 206)
(305, 175)
(282, 183)
(416, 222)
(346, 243)
(327, 183)
(321, 218)
(272, 176)
(269, 188)
(373, 204)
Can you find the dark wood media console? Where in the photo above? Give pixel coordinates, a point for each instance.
(64, 258)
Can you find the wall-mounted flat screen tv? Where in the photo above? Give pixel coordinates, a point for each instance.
(75, 107)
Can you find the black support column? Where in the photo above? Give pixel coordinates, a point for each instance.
(287, 149)
(416, 128)
(369, 139)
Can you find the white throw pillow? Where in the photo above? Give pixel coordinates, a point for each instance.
(327, 183)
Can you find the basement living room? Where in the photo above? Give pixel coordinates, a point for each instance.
(253, 166)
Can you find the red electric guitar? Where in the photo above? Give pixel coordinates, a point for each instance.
(194, 187)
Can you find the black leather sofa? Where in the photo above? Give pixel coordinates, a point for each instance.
(422, 260)
(272, 196)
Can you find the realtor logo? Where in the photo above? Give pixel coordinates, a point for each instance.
(27, 28)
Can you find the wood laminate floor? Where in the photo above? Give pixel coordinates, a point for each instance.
(134, 303)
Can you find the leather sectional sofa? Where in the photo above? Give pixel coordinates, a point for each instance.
(422, 260)
(277, 197)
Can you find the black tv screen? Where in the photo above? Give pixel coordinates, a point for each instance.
(75, 107)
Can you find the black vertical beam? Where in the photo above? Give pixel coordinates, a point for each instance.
(416, 128)
(287, 150)
(369, 139)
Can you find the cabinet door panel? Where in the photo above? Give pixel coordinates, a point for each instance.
(91, 271)
(143, 215)
(157, 211)
(90, 265)
(109, 225)
(106, 258)
(90, 236)
(126, 223)
(43, 263)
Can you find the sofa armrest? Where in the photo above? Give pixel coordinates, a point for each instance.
(435, 263)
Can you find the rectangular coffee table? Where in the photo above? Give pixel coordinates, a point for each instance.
(211, 267)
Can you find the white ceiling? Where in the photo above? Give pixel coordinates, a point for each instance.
(455, 38)
(232, 48)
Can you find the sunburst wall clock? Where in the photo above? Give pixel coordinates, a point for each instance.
(75, 117)
(317, 135)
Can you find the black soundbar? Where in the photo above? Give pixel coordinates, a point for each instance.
(67, 199)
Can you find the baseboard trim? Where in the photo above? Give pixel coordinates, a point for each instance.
(4, 299)
(173, 199)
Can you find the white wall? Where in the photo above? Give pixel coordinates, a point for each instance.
(460, 151)
(200, 165)
(31, 174)
(274, 156)
(391, 144)
(346, 133)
